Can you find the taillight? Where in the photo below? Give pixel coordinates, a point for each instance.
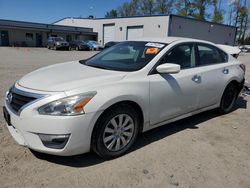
(243, 67)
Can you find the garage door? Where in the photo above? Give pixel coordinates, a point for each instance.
(108, 33)
(134, 32)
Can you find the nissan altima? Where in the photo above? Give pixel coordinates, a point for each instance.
(104, 102)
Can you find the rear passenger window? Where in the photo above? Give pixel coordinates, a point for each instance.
(183, 55)
(209, 55)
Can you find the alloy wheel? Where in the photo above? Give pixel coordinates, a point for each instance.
(118, 132)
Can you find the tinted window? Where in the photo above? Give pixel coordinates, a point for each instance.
(210, 55)
(126, 56)
(183, 55)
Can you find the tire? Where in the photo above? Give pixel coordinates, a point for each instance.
(228, 99)
(109, 142)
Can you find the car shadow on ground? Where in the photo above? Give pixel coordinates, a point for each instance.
(90, 159)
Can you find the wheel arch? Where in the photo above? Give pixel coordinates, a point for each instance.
(235, 81)
(131, 103)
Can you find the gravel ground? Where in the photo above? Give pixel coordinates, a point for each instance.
(206, 150)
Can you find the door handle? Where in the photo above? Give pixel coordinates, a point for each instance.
(225, 71)
(196, 78)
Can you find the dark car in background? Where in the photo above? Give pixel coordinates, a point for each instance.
(111, 43)
(57, 43)
(78, 45)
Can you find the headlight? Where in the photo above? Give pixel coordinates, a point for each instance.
(57, 43)
(69, 106)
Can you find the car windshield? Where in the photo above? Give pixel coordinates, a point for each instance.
(126, 56)
(58, 39)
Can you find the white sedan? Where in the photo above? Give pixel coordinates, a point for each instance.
(102, 103)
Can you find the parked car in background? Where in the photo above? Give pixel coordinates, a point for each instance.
(102, 103)
(245, 48)
(57, 43)
(78, 45)
(109, 44)
(93, 45)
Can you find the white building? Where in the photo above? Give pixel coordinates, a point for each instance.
(129, 28)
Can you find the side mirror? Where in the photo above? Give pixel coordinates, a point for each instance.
(168, 68)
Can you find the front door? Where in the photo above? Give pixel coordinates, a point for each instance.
(39, 40)
(172, 95)
(4, 38)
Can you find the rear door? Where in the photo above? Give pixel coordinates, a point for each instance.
(214, 72)
(172, 95)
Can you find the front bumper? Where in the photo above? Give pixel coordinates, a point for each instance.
(26, 129)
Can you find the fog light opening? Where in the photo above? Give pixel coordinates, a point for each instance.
(54, 141)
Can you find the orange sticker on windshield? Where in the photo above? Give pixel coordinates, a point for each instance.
(150, 51)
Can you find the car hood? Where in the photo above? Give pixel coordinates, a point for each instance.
(68, 76)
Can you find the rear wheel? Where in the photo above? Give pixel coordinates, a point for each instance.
(228, 99)
(115, 132)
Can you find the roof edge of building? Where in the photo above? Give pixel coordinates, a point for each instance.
(157, 15)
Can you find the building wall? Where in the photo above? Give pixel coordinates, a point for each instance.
(152, 26)
(17, 37)
(191, 28)
(159, 26)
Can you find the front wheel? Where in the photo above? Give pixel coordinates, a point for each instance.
(115, 132)
(228, 99)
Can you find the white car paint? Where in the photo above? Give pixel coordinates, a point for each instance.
(230, 49)
(163, 98)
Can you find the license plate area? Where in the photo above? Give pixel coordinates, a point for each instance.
(6, 116)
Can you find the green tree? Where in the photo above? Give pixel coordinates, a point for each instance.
(125, 10)
(200, 7)
(184, 7)
(135, 7)
(148, 7)
(111, 14)
(217, 16)
(243, 19)
(240, 13)
(164, 6)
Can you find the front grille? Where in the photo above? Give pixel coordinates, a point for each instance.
(17, 100)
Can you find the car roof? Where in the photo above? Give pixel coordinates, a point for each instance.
(169, 40)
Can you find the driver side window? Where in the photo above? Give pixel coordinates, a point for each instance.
(183, 55)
